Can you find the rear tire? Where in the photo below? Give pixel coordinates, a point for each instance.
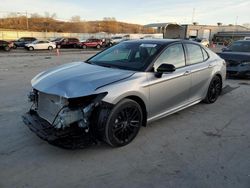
(98, 46)
(123, 123)
(214, 90)
(84, 46)
(50, 48)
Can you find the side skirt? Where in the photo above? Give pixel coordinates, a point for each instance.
(172, 111)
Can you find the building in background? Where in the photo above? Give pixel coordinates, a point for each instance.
(187, 31)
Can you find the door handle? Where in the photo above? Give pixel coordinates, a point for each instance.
(187, 73)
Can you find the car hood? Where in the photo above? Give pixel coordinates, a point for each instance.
(77, 79)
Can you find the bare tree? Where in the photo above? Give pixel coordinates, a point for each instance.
(35, 15)
(48, 15)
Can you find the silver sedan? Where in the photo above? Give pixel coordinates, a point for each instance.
(112, 94)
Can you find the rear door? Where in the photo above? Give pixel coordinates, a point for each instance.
(171, 91)
(201, 70)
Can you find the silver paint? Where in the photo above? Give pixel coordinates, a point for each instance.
(162, 96)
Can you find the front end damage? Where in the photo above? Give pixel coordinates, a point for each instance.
(61, 121)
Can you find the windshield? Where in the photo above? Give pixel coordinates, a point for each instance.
(127, 55)
(57, 39)
(240, 46)
(35, 42)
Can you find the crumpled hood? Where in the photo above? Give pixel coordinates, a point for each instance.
(77, 79)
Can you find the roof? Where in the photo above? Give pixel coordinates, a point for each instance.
(161, 41)
(154, 41)
(234, 33)
(161, 24)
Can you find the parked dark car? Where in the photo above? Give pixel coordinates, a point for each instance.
(6, 46)
(93, 43)
(67, 42)
(22, 41)
(237, 57)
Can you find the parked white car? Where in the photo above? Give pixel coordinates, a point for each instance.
(41, 45)
(203, 41)
(247, 38)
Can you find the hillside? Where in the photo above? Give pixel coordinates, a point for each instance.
(53, 25)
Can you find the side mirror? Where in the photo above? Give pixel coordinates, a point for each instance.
(164, 68)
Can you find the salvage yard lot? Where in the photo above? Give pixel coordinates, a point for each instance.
(202, 146)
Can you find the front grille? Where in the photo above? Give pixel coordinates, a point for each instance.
(232, 63)
(48, 106)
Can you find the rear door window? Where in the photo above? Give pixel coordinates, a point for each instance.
(194, 54)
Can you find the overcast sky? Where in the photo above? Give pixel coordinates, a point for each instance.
(138, 11)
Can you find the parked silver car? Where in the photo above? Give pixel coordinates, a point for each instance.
(120, 89)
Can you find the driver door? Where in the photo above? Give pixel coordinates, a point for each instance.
(171, 90)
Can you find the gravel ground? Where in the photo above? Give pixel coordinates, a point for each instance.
(202, 146)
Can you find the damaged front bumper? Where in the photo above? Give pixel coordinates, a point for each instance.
(60, 121)
(70, 138)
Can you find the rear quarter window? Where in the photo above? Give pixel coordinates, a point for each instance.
(205, 54)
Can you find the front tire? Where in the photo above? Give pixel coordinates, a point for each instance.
(50, 48)
(7, 48)
(123, 123)
(31, 48)
(214, 90)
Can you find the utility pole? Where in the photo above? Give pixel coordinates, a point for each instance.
(235, 26)
(27, 21)
(193, 14)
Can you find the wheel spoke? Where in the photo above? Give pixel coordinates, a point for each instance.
(126, 124)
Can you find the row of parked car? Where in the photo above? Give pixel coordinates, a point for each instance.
(31, 43)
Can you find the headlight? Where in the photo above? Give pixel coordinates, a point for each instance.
(245, 63)
(86, 100)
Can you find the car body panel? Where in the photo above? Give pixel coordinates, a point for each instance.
(91, 43)
(77, 79)
(169, 91)
(67, 42)
(23, 41)
(5, 45)
(41, 46)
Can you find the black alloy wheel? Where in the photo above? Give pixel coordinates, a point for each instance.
(124, 123)
(214, 90)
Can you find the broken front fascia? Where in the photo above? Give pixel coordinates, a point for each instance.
(73, 110)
